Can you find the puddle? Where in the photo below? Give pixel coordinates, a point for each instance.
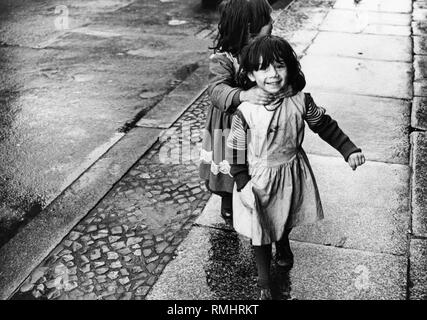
(175, 22)
(231, 270)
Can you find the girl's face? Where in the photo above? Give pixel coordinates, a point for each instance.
(271, 79)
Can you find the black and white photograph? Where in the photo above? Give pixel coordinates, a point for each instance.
(211, 154)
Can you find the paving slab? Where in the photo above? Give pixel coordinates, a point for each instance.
(419, 14)
(419, 184)
(419, 113)
(379, 126)
(307, 17)
(419, 28)
(173, 106)
(418, 270)
(420, 4)
(304, 36)
(364, 46)
(217, 265)
(211, 216)
(358, 76)
(367, 22)
(403, 6)
(420, 66)
(420, 45)
(302, 40)
(420, 88)
(27, 249)
(337, 274)
(366, 209)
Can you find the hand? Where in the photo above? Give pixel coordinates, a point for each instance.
(287, 91)
(356, 159)
(256, 95)
(247, 196)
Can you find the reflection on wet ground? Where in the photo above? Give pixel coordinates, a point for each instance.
(231, 270)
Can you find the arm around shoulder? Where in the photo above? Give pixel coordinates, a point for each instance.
(223, 90)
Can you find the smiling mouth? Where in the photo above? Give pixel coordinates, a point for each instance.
(273, 82)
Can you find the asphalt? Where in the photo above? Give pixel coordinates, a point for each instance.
(155, 234)
(76, 75)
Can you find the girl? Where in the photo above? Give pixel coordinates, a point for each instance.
(241, 20)
(274, 185)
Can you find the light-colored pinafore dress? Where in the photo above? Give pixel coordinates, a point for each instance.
(282, 191)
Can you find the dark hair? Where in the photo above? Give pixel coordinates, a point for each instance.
(240, 20)
(269, 49)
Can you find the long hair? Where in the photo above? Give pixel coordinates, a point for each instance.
(266, 50)
(239, 21)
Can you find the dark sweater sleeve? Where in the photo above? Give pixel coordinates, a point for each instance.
(237, 149)
(223, 89)
(327, 128)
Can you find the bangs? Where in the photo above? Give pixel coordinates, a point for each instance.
(265, 51)
(260, 15)
(268, 50)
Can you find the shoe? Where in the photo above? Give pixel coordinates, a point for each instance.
(265, 294)
(285, 262)
(226, 215)
(284, 255)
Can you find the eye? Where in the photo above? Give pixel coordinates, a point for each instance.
(281, 66)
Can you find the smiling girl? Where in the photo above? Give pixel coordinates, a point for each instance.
(240, 22)
(275, 188)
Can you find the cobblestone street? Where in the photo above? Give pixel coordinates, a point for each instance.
(122, 246)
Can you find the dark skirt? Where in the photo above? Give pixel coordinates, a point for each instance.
(214, 168)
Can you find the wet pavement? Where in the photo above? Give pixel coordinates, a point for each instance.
(122, 246)
(75, 76)
(158, 233)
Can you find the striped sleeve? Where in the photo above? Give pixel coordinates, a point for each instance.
(314, 113)
(237, 146)
(237, 137)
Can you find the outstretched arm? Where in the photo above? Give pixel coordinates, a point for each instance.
(328, 129)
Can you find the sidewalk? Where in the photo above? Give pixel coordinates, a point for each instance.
(359, 66)
(155, 235)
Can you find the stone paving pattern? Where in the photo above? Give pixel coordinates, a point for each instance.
(122, 246)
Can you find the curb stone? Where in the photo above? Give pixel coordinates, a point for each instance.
(419, 113)
(419, 183)
(39, 237)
